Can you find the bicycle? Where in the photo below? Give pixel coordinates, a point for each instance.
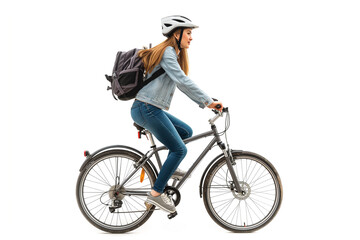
(241, 190)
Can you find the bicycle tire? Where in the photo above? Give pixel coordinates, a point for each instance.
(251, 202)
(97, 176)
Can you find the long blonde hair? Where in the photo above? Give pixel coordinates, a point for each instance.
(152, 57)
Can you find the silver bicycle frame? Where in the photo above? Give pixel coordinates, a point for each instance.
(155, 151)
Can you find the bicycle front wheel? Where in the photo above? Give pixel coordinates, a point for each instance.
(254, 205)
(100, 198)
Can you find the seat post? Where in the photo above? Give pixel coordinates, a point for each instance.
(153, 146)
(150, 138)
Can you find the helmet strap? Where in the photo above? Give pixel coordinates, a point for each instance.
(179, 41)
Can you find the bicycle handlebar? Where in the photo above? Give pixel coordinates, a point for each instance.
(225, 109)
(218, 114)
(218, 106)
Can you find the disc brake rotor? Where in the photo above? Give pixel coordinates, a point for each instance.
(244, 193)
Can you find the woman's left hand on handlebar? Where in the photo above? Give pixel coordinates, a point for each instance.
(214, 104)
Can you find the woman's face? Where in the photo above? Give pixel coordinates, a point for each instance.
(186, 38)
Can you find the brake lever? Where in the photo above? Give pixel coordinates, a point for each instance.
(217, 112)
(218, 105)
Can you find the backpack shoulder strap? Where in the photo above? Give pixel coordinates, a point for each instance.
(156, 74)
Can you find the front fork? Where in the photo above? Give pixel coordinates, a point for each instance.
(230, 163)
(229, 159)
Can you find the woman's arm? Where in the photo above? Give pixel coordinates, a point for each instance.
(171, 66)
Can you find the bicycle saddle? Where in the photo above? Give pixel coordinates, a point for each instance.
(138, 127)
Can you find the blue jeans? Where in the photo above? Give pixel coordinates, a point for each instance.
(169, 131)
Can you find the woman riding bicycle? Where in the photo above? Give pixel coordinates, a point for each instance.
(151, 101)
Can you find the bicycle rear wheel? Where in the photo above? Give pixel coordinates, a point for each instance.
(102, 202)
(254, 205)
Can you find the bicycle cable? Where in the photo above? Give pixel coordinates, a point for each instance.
(227, 126)
(102, 197)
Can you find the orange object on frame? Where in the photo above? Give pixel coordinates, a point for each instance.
(142, 175)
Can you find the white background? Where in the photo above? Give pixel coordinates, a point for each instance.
(288, 71)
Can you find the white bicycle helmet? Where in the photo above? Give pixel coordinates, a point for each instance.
(170, 23)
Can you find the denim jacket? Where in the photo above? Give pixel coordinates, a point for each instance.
(160, 91)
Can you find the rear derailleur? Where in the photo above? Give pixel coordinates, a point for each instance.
(116, 203)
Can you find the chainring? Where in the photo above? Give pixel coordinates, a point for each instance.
(173, 193)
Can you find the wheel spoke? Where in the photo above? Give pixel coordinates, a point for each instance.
(246, 209)
(100, 186)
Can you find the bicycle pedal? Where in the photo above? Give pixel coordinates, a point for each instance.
(148, 206)
(172, 215)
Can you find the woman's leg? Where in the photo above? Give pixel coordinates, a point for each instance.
(182, 128)
(160, 125)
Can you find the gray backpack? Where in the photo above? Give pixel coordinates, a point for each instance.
(128, 75)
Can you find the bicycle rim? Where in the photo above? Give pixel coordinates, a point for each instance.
(251, 208)
(98, 186)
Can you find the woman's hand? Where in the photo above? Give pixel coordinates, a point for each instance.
(213, 105)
